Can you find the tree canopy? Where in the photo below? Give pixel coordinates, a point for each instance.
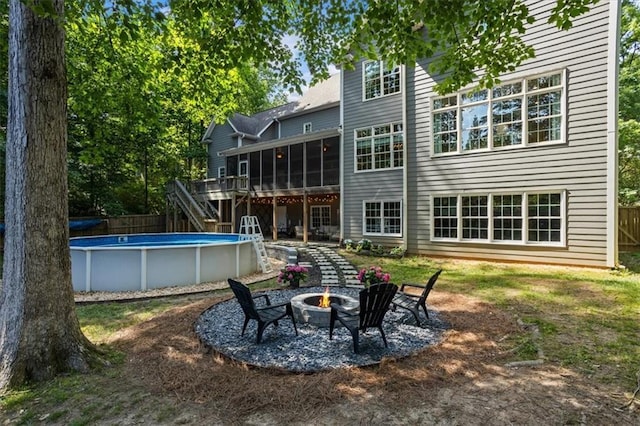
(629, 92)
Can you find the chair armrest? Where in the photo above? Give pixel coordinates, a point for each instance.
(266, 298)
(421, 287)
(343, 310)
(269, 306)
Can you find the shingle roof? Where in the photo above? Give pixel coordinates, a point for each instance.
(324, 93)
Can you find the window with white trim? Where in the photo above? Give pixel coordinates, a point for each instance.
(519, 113)
(379, 80)
(307, 127)
(514, 218)
(379, 147)
(222, 172)
(320, 216)
(382, 218)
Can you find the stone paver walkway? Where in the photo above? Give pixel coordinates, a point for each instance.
(335, 269)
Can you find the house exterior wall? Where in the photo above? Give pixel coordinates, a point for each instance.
(359, 186)
(579, 166)
(320, 120)
(221, 140)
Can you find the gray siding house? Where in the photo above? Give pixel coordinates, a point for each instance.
(525, 171)
(281, 165)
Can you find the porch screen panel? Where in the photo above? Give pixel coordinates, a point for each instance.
(232, 165)
(267, 169)
(331, 161)
(282, 167)
(254, 170)
(296, 168)
(314, 163)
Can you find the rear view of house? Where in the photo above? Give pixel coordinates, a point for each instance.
(524, 171)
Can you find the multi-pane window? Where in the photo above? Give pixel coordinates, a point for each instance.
(445, 217)
(529, 218)
(379, 147)
(544, 217)
(475, 217)
(383, 217)
(518, 113)
(379, 80)
(222, 172)
(320, 216)
(507, 217)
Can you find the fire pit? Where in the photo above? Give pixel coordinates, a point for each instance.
(313, 308)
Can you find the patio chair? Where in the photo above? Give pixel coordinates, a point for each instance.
(265, 315)
(413, 302)
(374, 304)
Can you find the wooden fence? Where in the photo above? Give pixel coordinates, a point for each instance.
(629, 228)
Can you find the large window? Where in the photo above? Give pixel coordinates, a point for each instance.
(518, 113)
(524, 218)
(379, 147)
(378, 80)
(382, 218)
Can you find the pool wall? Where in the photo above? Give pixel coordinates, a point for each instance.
(97, 264)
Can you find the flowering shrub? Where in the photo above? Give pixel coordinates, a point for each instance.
(373, 275)
(293, 275)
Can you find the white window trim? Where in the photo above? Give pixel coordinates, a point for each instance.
(222, 172)
(304, 128)
(525, 143)
(382, 69)
(373, 169)
(319, 207)
(525, 216)
(381, 234)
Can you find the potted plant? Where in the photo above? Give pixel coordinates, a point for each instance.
(293, 275)
(373, 275)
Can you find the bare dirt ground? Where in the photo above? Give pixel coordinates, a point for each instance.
(173, 379)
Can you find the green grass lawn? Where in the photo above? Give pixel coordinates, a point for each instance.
(588, 320)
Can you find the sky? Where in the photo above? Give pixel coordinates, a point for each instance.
(291, 41)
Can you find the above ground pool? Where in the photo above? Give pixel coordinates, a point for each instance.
(150, 261)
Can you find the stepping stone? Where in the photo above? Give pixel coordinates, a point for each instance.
(327, 268)
(306, 264)
(329, 272)
(353, 282)
(326, 281)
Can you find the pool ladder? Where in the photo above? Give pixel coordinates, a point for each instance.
(250, 229)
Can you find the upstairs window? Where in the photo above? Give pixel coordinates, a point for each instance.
(307, 128)
(379, 147)
(379, 80)
(222, 172)
(526, 112)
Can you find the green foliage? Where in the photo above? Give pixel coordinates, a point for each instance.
(140, 95)
(629, 97)
(364, 244)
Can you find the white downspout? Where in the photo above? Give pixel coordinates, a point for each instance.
(615, 11)
(405, 157)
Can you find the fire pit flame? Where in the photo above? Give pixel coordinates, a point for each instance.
(324, 300)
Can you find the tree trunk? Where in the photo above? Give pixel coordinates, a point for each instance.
(39, 331)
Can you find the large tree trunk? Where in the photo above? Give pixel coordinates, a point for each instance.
(39, 331)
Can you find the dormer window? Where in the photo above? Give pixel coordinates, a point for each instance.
(307, 128)
(379, 80)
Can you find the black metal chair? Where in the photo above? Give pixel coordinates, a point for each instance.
(374, 304)
(269, 314)
(413, 302)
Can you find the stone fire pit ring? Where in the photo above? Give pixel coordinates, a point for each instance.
(219, 328)
(306, 307)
